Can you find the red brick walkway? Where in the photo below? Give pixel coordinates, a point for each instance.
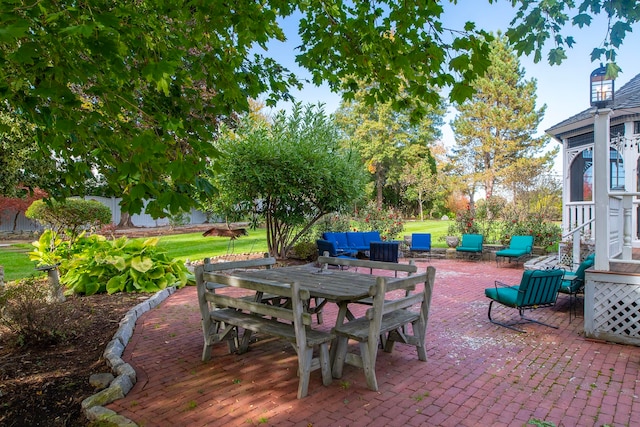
(476, 374)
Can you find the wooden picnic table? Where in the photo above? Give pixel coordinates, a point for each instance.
(333, 285)
(328, 285)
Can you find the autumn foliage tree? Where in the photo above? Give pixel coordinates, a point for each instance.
(12, 207)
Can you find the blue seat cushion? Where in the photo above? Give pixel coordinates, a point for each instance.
(507, 296)
(338, 237)
(371, 236)
(468, 249)
(420, 242)
(512, 253)
(355, 241)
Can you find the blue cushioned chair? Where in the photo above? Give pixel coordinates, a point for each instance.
(421, 242)
(537, 289)
(519, 248)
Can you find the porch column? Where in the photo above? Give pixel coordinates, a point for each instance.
(601, 187)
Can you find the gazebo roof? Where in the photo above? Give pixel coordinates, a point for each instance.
(626, 103)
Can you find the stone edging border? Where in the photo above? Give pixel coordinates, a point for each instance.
(125, 375)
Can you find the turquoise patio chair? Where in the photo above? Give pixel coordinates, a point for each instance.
(471, 245)
(519, 248)
(573, 284)
(537, 289)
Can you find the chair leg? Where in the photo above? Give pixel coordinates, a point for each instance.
(528, 319)
(369, 366)
(502, 324)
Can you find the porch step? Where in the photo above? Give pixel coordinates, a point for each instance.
(543, 263)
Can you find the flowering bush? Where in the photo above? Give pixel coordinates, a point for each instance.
(464, 223)
(545, 233)
(387, 221)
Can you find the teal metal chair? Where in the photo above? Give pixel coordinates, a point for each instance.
(537, 289)
(573, 284)
(471, 245)
(520, 247)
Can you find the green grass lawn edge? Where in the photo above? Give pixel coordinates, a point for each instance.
(193, 246)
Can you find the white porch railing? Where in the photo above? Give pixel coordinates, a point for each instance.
(581, 217)
(621, 204)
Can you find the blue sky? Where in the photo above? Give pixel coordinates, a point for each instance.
(564, 89)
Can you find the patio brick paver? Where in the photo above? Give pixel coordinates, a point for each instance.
(476, 373)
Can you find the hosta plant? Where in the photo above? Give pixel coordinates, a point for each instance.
(120, 265)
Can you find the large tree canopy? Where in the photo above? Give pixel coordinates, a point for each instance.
(135, 90)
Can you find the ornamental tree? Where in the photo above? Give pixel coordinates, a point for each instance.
(289, 173)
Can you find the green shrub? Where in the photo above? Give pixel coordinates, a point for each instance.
(27, 314)
(545, 233)
(305, 250)
(99, 265)
(387, 221)
(70, 216)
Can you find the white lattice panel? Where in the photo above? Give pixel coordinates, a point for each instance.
(616, 309)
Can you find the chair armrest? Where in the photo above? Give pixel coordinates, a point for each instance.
(501, 284)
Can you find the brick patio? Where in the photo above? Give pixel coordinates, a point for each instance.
(477, 373)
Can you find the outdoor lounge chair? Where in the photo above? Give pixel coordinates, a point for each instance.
(573, 284)
(537, 289)
(471, 245)
(519, 248)
(420, 242)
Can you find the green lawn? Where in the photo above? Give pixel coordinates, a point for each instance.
(16, 262)
(194, 246)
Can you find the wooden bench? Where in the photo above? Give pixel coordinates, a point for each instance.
(390, 315)
(224, 315)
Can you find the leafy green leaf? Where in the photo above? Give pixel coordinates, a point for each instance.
(141, 264)
(115, 284)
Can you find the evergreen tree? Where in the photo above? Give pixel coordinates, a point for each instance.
(383, 136)
(495, 142)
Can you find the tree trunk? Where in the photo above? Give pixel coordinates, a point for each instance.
(125, 220)
(15, 221)
(379, 186)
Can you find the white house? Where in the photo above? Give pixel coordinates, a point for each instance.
(601, 189)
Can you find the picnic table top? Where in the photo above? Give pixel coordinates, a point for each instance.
(333, 285)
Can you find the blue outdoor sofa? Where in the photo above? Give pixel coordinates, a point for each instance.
(349, 241)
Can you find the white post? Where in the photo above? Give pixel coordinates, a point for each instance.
(601, 187)
(627, 206)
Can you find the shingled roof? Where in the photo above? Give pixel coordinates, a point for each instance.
(627, 97)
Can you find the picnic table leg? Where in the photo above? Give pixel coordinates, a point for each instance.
(304, 370)
(339, 355)
(325, 364)
(343, 312)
